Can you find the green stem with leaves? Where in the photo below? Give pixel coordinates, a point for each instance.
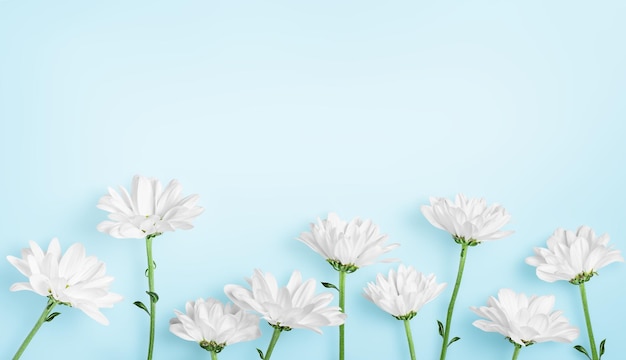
(518, 347)
(592, 341)
(151, 292)
(409, 337)
(43, 318)
(270, 347)
(342, 306)
(457, 284)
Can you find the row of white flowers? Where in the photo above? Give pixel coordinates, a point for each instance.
(147, 211)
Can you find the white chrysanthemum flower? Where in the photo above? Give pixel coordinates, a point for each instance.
(293, 306)
(467, 220)
(403, 293)
(524, 321)
(347, 245)
(573, 256)
(72, 279)
(214, 325)
(148, 209)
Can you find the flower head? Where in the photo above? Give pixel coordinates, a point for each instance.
(148, 209)
(214, 325)
(524, 321)
(403, 293)
(345, 245)
(573, 256)
(293, 306)
(467, 220)
(72, 279)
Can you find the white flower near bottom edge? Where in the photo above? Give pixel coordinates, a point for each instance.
(403, 293)
(469, 220)
(148, 209)
(350, 245)
(573, 256)
(524, 320)
(293, 306)
(214, 325)
(72, 279)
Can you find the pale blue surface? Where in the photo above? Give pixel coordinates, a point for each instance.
(278, 112)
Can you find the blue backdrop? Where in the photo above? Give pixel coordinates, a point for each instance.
(277, 112)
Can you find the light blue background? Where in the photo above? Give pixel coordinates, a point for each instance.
(277, 112)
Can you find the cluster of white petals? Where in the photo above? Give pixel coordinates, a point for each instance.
(403, 293)
(213, 324)
(293, 306)
(72, 279)
(147, 209)
(354, 244)
(523, 320)
(469, 220)
(573, 256)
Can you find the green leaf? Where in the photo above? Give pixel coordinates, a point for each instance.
(52, 316)
(140, 305)
(329, 286)
(602, 348)
(582, 350)
(260, 353)
(454, 339)
(153, 296)
(440, 325)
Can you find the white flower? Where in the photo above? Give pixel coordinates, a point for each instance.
(403, 293)
(573, 256)
(293, 306)
(214, 325)
(524, 321)
(347, 245)
(468, 220)
(147, 209)
(72, 279)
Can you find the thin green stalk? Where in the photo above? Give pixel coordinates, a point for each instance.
(270, 348)
(342, 306)
(213, 355)
(592, 341)
(518, 347)
(409, 337)
(457, 284)
(44, 315)
(151, 290)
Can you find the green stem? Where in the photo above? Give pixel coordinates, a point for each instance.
(342, 306)
(44, 315)
(409, 337)
(151, 290)
(518, 347)
(457, 284)
(592, 341)
(270, 348)
(213, 355)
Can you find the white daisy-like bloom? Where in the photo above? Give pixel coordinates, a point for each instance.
(214, 325)
(467, 220)
(294, 306)
(147, 209)
(403, 293)
(524, 320)
(72, 279)
(573, 256)
(347, 246)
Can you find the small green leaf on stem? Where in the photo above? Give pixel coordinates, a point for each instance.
(329, 286)
(153, 296)
(260, 353)
(602, 348)
(52, 316)
(140, 305)
(582, 350)
(440, 325)
(454, 339)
